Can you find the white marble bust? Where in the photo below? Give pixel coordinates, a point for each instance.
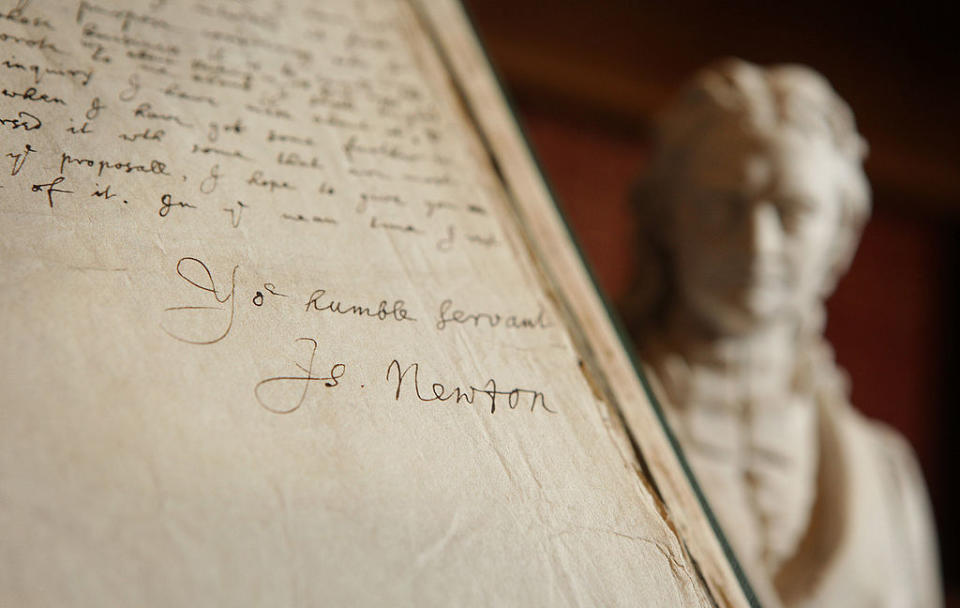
(751, 211)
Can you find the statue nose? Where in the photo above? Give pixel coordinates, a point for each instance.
(764, 229)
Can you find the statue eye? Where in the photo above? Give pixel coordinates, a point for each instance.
(793, 211)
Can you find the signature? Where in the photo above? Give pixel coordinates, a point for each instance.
(279, 400)
(439, 392)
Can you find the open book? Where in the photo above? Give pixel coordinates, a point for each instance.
(290, 318)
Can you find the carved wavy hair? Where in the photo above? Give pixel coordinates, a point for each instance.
(758, 101)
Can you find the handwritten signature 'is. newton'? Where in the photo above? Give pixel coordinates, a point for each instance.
(285, 394)
(210, 316)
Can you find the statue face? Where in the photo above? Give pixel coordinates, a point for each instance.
(755, 226)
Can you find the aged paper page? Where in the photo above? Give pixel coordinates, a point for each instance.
(605, 356)
(272, 334)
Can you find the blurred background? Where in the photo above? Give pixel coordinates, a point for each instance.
(586, 78)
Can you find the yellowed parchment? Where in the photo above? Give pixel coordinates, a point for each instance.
(271, 335)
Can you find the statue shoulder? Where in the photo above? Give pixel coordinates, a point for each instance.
(906, 498)
(897, 461)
